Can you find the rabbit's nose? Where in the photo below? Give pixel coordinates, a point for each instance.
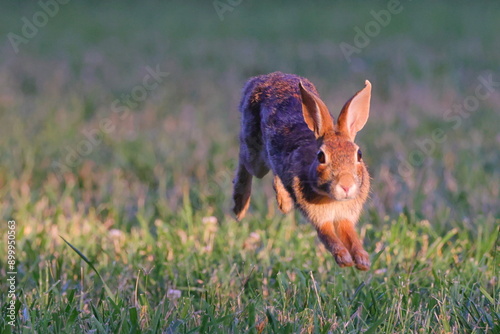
(346, 188)
(346, 191)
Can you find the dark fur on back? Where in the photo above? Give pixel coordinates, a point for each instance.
(271, 109)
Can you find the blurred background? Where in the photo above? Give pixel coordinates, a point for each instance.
(123, 115)
(67, 67)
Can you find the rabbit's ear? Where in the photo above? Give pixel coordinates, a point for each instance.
(355, 112)
(315, 113)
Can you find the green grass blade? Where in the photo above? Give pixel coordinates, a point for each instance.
(84, 258)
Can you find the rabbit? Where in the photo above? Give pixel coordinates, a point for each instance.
(317, 167)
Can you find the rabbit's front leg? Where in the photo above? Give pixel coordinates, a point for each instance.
(349, 237)
(285, 201)
(329, 238)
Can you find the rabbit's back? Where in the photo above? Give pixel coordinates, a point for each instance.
(273, 103)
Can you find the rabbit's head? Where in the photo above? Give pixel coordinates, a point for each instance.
(338, 171)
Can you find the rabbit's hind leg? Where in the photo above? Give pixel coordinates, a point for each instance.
(242, 183)
(242, 188)
(253, 161)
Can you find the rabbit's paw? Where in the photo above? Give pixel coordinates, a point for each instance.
(285, 201)
(241, 204)
(362, 259)
(343, 258)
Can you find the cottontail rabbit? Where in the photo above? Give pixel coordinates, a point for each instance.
(286, 127)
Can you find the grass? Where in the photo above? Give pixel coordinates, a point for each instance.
(144, 210)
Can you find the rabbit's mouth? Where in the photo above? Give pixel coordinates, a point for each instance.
(334, 196)
(344, 189)
(343, 192)
(344, 199)
(337, 192)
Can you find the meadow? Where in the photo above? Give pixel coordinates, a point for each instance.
(119, 139)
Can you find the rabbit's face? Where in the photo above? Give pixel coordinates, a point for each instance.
(338, 170)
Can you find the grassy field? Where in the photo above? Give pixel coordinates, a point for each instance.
(118, 131)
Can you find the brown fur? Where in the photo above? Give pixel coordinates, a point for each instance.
(331, 191)
(285, 202)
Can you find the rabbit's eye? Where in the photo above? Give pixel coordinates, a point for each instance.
(321, 157)
(360, 155)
